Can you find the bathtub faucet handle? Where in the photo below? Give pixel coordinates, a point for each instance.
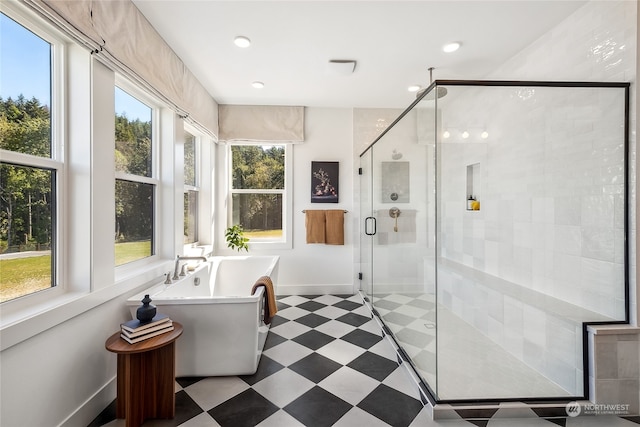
(182, 271)
(167, 281)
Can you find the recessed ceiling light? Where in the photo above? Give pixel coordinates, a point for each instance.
(414, 88)
(257, 85)
(242, 41)
(465, 134)
(446, 134)
(451, 47)
(484, 135)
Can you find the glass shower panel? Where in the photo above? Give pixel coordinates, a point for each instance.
(530, 208)
(403, 245)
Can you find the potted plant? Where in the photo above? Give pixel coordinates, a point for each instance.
(235, 238)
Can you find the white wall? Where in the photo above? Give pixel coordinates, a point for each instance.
(311, 268)
(62, 370)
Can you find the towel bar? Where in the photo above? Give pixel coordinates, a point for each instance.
(304, 211)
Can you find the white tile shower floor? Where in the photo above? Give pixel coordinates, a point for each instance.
(471, 366)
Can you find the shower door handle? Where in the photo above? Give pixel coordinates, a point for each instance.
(366, 226)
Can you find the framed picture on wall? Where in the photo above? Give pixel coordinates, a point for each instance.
(324, 182)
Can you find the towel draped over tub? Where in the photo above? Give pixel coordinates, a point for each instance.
(270, 307)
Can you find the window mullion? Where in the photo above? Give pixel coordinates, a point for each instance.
(257, 191)
(136, 178)
(30, 160)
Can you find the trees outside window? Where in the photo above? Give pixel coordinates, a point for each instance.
(135, 181)
(29, 168)
(258, 190)
(191, 188)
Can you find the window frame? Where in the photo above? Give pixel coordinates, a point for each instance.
(155, 178)
(287, 199)
(198, 163)
(56, 162)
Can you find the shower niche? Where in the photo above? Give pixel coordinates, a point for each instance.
(487, 293)
(473, 187)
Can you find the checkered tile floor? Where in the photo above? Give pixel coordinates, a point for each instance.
(324, 364)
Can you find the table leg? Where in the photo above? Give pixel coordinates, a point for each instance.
(145, 385)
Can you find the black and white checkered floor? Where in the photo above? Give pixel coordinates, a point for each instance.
(324, 364)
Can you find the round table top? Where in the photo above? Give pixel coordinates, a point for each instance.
(118, 345)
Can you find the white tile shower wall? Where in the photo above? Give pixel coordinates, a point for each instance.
(599, 42)
(564, 204)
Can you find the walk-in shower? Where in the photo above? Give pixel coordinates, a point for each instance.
(494, 227)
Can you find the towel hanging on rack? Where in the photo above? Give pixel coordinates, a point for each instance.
(325, 226)
(315, 223)
(334, 227)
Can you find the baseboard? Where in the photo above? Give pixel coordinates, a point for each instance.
(344, 289)
(92, 407)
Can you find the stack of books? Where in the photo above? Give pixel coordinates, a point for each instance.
(135, 331)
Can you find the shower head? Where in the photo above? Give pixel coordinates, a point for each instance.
(439, 91)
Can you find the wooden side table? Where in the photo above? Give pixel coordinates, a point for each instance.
(146, 377)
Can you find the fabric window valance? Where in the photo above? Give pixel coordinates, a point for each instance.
(265, 123)
(121, 37)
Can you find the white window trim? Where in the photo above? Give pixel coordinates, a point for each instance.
(287, 200)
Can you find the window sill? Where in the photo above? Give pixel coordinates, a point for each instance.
(21, 325)
(272, 245)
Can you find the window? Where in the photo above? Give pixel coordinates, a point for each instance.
(31, 165)
(135, 179)
(258, 192)
(191, 188)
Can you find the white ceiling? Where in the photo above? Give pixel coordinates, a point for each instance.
(393, 42)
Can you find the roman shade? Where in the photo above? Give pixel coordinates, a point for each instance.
(265, 123)
(119, 35)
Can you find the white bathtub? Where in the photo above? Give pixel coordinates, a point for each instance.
(224, 332)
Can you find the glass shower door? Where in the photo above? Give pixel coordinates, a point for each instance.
(403, 249)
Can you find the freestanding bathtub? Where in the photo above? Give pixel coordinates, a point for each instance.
(224, 331)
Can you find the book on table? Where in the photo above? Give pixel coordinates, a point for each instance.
(163, 326)
(166, 327)
(135, 325)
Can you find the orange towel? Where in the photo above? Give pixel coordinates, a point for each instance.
(334, 234)
(314, 221)
(270, 308)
